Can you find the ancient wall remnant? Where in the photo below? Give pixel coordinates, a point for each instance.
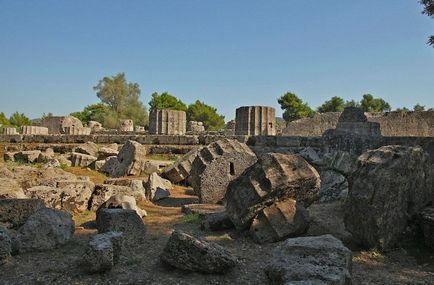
(255, 121)
(77, 130)
(353, 120)
(139, 129)
(57, 124)
(10, 131)
(167, 122)
(195, 127)
(95, 126)
(402, 124)
(126, 126)
(34, 130)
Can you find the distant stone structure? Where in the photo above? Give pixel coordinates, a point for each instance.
(353, 120)
(195, 127)
(230, 128)
(126, 126)
(402, 124)
(77, 130)
(95, 126)
(57, 124)
(34, 130)
(255, 121)
(139, 129)
(10, 131)
(167, 122)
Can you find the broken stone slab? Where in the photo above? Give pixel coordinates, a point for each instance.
(15, 212)
(136, 185)
(52, 163)
(185, 252)
(389, 187)
(129, 161)
(50, 195)
(340, 161)
(157, 188)
(82, 160)
(122, 220)
(45, 230)
(106, 152)
(28, 156)
(64, 161)
(216, 221)
(218, 164)
(274, 177)
(103, 192)
(279, 221)
(202, 209)
(46, 156)
(310, 155)
(9, 188)
(9, 156)
(120, 201)
(180, 170)
(75, 197)
(89, 148)
(427, 224)
(310, 260)
(28, 176)
(334, 186)
(5, 245)
(102, 252)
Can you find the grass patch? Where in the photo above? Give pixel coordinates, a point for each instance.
(165, 157)
(190, 219)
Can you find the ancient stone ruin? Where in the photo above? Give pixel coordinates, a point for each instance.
(126, 125)
(255, 121)
(195, 127)
(167, 122)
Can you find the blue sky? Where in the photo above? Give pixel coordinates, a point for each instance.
(226, 53)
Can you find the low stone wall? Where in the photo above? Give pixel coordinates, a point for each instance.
(403, 124)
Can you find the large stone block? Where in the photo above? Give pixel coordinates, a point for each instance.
(389, 186)
(15, 212)
(274, 177)
(9, 188)
(167, 122)
(218, 164)
(82, 160)
(180, 170)
(255, 121)
(103, 192)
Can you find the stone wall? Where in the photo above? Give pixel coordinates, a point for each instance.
(167, 122)
(57, 124)
(413, 124)
(34, 130)
(255, 121)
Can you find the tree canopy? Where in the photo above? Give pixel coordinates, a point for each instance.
(166, 101)
(199, 111)
(4, 121)
(294, 108)
(335, 104)
(429, 10)
(19, 119)
(371, 104)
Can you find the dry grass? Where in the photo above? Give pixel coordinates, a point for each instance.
(95, 176)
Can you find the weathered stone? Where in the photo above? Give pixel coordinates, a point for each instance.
(98, 164)
(216, 221)
(310, 260)
(106, 152)
(29, 156)
(15, 212)
(9, 188)
(353, 120)
(50, 195)
(120, 201)
(64, 161)
(202, 209)
(5, 172)
(334, 186)
(103, 192)
(195, 127)
(102, 252)
(95, 126)
(180, 170)
(427, 223)
(328, 218)
(78, 131)
(9, 156)
(274, 177)
(45, 230)
(130, 160)
(136, 185)
(75, 197)
(5, 245)
(188, 253)
(310, 155)
(255, 121)
(218, 164)
(126, 125)
(167, 122)
(157, 187)
(340, 161)
(119, 220)
(46, 156)
(82, 160)
(10, 131)
(390, 185)
(34, 130)
(279, 221)
(57, 124)
(89, 148)
(28, 177)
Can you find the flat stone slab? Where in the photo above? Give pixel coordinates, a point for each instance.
(202, 209)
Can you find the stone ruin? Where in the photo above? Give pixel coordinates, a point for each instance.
(58, 124)
(34, 130)
(167, 122)
(195, 127)
(126, 126)
(10, 131)
(255, 121)
(353, 120)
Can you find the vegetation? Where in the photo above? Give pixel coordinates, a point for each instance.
(166, 101)
(429, 10)
(190, 218)
(294, 108)
(4, 122)
(19, 119)
(371, 104)
(335, 104)
(199, 111)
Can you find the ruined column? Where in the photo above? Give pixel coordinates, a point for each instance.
(255, 121)
(167, 122)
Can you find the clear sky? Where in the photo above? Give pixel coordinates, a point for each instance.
(227, 53)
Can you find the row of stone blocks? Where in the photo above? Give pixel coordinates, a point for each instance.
(36, 130)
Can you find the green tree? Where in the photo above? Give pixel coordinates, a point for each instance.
(294, 108)
(352, 103)
(166, 101)
(429, 10)
(4, 122)
(199, 111)
(403, 109)
(335, 104)
(94, 112)
(418, 108)
(371, 104)
(19, 119)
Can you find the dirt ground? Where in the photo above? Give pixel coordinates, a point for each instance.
(141, 265)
